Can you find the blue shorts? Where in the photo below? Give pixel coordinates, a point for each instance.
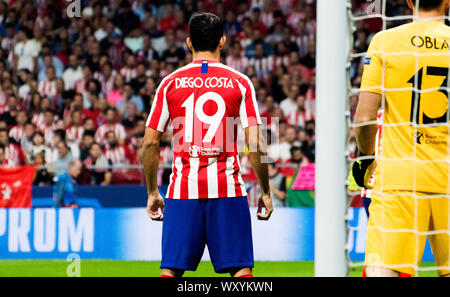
(366, 202)
(222, 224)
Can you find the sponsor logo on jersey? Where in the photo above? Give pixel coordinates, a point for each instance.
(196, 151)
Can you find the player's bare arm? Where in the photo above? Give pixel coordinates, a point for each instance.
(150, 161)
(366, 112)
(257, 152)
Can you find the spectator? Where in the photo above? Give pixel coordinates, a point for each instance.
(60, 135)
(281, 151)
(43, 176)
(47, 87)
(299, 116)
(99, 166)
(63, 190)
(86, 141)
(173, 54)
(39, 146)
(26, 139)
(73, 73)
(140, 80)
(10, 112)
(110, 124)
(75, 130)
(290, 104)
(127, 100)
(133, 123)
(25, 52)
(63, 158)
(4, 162)
(236, 60)
(116, 94)
(118, 154)
(13, 152)
(129, 71)
(48, 126)
(17, 131)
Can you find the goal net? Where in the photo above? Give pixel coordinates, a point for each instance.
(366, 18)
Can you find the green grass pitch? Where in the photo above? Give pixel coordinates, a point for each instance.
(114, 268)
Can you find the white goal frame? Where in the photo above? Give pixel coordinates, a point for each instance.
(332, 52)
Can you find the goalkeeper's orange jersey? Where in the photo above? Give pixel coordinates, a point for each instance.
(410, 65)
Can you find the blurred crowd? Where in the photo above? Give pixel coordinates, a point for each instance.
(81, 87)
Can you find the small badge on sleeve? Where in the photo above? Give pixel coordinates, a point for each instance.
(204, 66)
(367, 60)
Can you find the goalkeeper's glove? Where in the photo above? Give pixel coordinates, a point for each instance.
(363, 170)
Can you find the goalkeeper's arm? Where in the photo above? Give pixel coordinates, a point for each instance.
(366, 112)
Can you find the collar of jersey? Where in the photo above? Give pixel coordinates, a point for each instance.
(209, 62)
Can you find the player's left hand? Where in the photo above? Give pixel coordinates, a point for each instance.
(363, 170)
(154, 203)
(265, 201)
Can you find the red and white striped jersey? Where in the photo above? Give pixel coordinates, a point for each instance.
(106, 83)
(205, 101)
(366, 192)
(47, 88)
(238, 64)
(80, 85)
(280, 60)
(117, 155)
(74, 134)
(100, 135)
(267, 18)
(6, 164)
(263, 66)
(38, 120)
(302, 43)
(128, 73)
(16, 133)
(299, 118)
(14, 154)
(48, 133)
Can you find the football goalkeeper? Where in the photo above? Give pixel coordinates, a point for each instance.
(410, 64)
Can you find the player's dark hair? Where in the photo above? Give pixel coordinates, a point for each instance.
(206, 29)
(428, 5)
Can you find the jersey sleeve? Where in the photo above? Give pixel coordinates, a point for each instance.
(248, 112)
(372, 79)
(159, 113)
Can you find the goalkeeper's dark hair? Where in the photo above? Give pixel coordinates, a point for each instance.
(205, 29)
(428, 5)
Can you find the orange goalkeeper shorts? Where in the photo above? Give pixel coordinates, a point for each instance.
(399, 224)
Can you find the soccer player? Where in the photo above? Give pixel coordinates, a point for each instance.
(206, 201)
(410, 64)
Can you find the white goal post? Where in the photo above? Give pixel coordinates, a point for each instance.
(332, 52)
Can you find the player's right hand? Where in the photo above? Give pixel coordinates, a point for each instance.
(362, 172)
(265, 201)
(154, 203)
